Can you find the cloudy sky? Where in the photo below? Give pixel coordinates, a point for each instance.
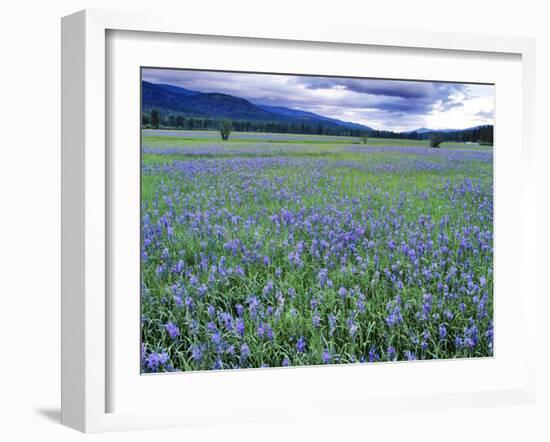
(381, 104)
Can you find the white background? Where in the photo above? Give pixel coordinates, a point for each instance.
(30, 215)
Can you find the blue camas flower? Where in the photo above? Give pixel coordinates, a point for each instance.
(442, 331)
(172, 329)
(245, 351)
(301, 345)
(261, 253)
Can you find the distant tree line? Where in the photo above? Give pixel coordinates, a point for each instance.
(481, 134)
(155, 120)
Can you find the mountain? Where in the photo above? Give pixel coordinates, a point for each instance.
(422, 130)
(164, 95)
(304, 115)
(175, 89)
(173, 100)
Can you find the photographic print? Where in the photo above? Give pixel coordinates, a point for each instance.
(299, 220)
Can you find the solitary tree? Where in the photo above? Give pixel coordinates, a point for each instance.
(364, 138)
(225, 129)
(436, 140)
(155, 118)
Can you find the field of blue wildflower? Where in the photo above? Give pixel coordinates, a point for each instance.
(273, 250)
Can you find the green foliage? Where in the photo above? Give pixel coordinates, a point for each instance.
(225, 129)
(364, 138)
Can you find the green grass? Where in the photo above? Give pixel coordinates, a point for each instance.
(331, 191)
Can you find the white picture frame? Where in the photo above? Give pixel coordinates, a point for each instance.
(86, 206)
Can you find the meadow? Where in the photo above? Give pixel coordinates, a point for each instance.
(272, 250)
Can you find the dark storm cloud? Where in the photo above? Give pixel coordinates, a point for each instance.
(382, 103)
(414, 96)
(389, 88)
